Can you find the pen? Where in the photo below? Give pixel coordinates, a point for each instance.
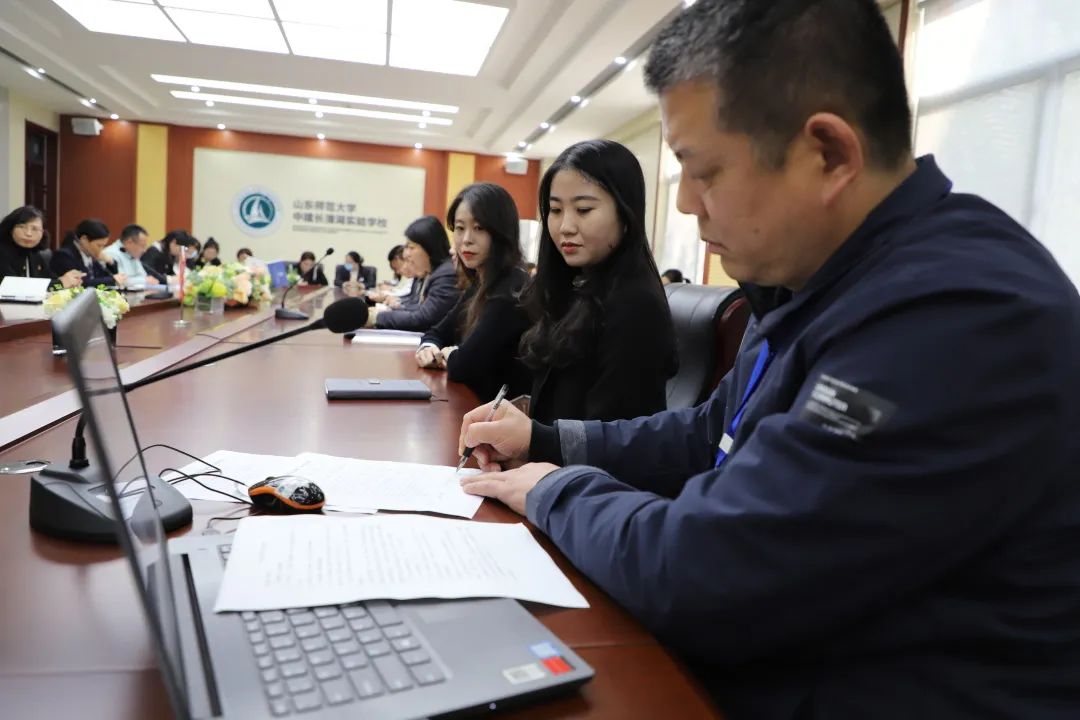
(498, 401)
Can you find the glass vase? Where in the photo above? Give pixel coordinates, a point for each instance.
(206, 305)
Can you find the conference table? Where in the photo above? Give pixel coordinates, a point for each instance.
(73, 639)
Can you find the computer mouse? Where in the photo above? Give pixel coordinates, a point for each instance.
(287, 494)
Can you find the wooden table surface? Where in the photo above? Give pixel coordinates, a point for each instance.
(72, 638)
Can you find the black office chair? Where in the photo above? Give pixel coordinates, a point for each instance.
(709, 325)
(367, 274)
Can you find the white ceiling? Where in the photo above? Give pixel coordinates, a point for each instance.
(546, 51)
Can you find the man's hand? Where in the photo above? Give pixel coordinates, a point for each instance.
(72, 278)
(510, 487)
(504, 439)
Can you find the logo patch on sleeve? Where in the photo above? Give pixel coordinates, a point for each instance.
(845, 410)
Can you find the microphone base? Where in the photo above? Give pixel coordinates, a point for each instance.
(75, 505)
(286, 314)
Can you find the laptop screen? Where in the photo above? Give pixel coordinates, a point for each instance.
(120, 468)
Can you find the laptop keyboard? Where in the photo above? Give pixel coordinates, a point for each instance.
(333, 655)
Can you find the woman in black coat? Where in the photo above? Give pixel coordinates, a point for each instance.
(310, 272)
(602, 344)
(22, 238)
(82, 252)
(477, 341)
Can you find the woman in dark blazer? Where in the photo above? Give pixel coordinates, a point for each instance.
(310, 273)
(428, 254)
(477, 341)
(22, 239)
(82, 251)
(602, 345)
(162, 259)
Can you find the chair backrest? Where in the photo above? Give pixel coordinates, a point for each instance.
(368, 274)
(46, 256)
(709, 324)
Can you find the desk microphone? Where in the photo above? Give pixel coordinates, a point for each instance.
(61, 515)
(282, 313)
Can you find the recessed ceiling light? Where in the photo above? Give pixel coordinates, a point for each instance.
(195, 88)
(545, 125)
(551, 129)
(306, 94)
(221, 126)
(85, 102)
(209, 103)
(620, 60)
(575, 99)
(32, 72)
(232, 31)
(418, 146)
(313, 101)
(304, 107)
(122, 18)
(321, 136)
(426, 113)
(249, 8)
(584, 102)
(420, 27)
(337, 43)
(688, 3)
(521, 144)
(319, 114)
(41, 71)
(529, 146)
(93, 101)
(630, 65)
(114, 116)
(423, 126)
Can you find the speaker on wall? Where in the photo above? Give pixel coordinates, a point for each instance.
(86, 126)
(517, 166)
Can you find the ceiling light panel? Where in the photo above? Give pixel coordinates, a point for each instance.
(368, 15)
(249, 8)
(121, 18)
(419, 30)
(336, 43)
(306, 108)
(233, 31)
(302, 93)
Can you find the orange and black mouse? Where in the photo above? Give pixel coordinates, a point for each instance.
(287, 494)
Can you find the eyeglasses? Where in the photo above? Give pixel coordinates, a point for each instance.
(32, 229)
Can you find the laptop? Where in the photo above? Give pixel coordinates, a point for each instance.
(15, 289)
(375, 660)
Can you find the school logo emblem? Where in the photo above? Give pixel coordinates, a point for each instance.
(256, 211)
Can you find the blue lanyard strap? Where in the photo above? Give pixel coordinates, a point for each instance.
(764, 358)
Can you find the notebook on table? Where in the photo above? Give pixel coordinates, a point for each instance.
(375, 660)
(15, 289)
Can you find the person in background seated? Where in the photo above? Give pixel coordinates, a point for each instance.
(209, 255)
(673, 276)
(602, 343)
(310, 273)
(22, 238)
(191, 254)
(477, 341)
(530, 267)
(127, 252)
(247, 258)
(162, 260)
(349, 271)
(428, 254)
(401, 291)
(877, 512)
(82, 251)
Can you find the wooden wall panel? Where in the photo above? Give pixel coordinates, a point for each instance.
(184, 140)
(97, 175)
(523, 188)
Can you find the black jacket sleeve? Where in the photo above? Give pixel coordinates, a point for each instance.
(442, 294)
(68, 258)
(447, 331)
(489, 355)
(156, 264)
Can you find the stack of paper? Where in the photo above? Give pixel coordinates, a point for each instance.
(305, 561)
(350, 485)
(399, 338)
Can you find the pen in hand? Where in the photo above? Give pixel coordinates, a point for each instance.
(491, 414)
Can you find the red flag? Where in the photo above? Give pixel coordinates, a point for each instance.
(180, 275)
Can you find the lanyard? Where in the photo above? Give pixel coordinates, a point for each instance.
(765, 356)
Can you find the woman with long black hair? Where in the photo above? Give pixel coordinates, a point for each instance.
(602, 344)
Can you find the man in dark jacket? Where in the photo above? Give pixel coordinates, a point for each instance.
(877, 513)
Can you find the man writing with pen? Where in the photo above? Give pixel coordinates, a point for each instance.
(876, 513)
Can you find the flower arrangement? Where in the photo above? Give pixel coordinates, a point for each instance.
(236, 284)
(113, 304)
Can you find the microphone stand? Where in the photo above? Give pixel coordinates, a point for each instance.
(283, 313)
